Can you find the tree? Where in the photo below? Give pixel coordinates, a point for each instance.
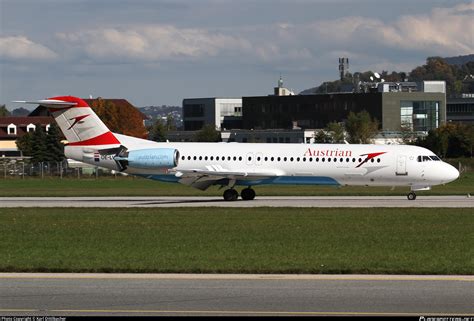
(336, 130)
(4, 111)
(361, 128)
(55, 149)
(170, 124)
(39, 150)
(208, 133)
(25, 144)
(127, 121)
(450, 140)
(436, 68)
(322, 137)
(332, 134)
(158, 131)
(42, 146)
(108, 113)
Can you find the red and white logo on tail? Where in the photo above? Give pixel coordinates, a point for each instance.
(78, 122)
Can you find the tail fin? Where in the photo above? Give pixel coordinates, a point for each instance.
(78, 122)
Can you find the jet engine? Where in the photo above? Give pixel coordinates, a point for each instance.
(153, 158)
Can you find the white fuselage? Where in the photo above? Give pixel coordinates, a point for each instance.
(319, 164)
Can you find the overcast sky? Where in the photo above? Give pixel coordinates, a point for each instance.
(155, 52)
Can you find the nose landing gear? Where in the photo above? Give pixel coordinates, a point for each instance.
(411, 196)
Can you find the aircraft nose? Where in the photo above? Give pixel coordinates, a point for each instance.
(450, 173)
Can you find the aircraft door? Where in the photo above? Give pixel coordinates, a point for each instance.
(401, 165)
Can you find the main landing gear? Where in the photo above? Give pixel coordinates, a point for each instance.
(247, 194)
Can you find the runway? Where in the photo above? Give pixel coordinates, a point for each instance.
(214, 295)
(260, 201)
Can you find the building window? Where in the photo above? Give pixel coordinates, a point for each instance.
(11, 129)
(419, 115)
(30, 128)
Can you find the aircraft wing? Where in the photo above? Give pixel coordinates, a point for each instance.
(216, 175)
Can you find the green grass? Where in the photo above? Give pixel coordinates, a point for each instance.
(130, 186)
(226, 240)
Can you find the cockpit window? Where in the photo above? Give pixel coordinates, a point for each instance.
(428, 158)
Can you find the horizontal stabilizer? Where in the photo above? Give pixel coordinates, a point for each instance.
(50, 103)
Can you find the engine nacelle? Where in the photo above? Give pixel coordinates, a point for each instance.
(153, 158)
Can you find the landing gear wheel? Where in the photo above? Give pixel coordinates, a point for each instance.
(231, 195)
(247, 194)
(411, 196)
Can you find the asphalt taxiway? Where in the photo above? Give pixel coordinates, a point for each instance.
(208, 294)
(259, 201)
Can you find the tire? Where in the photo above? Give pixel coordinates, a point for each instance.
(231, 195)
(411, 196)
(247, 194)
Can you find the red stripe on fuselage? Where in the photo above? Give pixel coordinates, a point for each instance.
(105, 139)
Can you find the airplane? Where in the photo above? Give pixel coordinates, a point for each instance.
(228, 165)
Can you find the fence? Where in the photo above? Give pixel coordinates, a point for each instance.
(20, 169)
